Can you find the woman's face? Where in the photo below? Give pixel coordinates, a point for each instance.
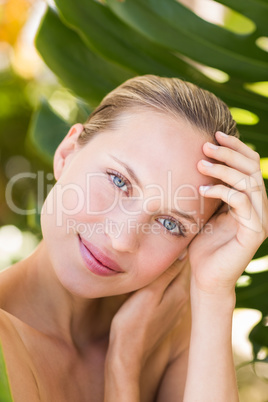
(128, 200)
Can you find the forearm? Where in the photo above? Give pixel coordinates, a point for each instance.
(211, 374)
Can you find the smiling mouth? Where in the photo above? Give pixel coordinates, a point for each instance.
(96, 261)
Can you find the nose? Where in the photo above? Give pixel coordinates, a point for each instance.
(125, 235)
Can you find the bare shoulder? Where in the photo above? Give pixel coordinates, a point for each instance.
(6, 328)
(17, 357)
(10, 279)
(18, 362)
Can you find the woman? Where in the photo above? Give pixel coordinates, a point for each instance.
(155, 181)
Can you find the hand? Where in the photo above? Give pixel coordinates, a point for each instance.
(148, 316)
(220, 256)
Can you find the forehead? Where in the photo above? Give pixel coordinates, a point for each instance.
(163, 151)
(159, 143)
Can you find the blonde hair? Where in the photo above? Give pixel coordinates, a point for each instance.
(168, 95)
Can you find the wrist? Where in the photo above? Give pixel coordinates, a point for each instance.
(121, 361)
(219, 298)
(123, 368)
(213, 313)
(121, 380)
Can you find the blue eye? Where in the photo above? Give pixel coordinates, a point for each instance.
(169, 225)
(172, 226)
(119, 181)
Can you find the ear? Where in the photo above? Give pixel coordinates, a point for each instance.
(66, 149)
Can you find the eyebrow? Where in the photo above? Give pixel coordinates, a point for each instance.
(133, 175)
(183, 215)
(130, 171)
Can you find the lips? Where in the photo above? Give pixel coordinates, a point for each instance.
(98, 262)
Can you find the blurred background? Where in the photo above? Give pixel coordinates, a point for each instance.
(57, 61)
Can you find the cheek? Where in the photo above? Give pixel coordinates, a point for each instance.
(101, 196)
(150, 268)
(158, 255)
(94, 197)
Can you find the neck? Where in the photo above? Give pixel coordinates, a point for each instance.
(43, 303)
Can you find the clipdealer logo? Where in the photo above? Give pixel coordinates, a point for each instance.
(165, 198)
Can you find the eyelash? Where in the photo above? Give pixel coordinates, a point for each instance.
(181, 228)
(111, 172)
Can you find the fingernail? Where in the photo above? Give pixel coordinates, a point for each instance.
(182, 256)
(222, 134)
(212, 146)
(203, 189)
(206, 163)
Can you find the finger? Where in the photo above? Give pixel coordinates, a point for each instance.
(237, 145)
(179, 287)
(234, 159)
(239, 181)
(230, 176)
(223, 208)
(241, 207)
(177, 293)
(183, 273)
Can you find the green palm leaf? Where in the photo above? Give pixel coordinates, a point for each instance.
(5, 393)
(84, 72)
(169, 23)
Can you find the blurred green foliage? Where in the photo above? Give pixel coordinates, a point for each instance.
(5, 393)
(16, 154)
